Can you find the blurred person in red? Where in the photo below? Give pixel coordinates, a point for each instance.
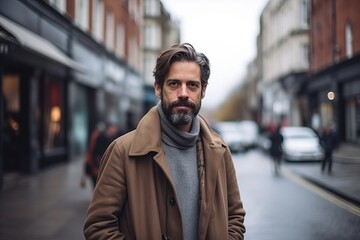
(90, 169)
(100, 139)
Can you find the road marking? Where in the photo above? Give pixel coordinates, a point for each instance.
(318, 190)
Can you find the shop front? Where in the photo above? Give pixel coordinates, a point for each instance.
(334, 94)
(352, 111)
(33, 79)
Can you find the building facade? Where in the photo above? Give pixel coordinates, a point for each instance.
(160, 31)
(283, 51)
(64, 66)
(333, 87)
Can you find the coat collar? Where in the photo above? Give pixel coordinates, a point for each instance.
(148, 135)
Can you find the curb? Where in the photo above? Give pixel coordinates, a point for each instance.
(345, 196)
(345, 159)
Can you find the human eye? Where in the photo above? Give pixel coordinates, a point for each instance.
(194, 85)
(173, 84)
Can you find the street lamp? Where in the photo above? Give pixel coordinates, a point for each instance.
(331, 95)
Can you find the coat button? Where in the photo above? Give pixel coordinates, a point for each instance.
(172, 201)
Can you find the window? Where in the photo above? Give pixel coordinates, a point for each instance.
(11, 128)
(54, 131)
(149, 64)
(134, 11)
(82, 14)
(304, 13)
(152, 36)
(60, 5)
(110, 30)
(120, 40)
(98, 19)
(349, 40)
(152, 7)
(133, 52)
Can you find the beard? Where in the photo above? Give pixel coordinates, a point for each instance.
(182, 116)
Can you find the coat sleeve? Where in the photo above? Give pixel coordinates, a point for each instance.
(236, 212)
(108, 198)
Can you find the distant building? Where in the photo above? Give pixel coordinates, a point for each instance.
(283, 59)
(333, 87)
(160, 31)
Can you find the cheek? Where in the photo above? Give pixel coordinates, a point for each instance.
(169, 94)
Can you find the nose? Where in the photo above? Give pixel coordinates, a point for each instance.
(183, 91)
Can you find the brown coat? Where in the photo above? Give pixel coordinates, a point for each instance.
(135, 196)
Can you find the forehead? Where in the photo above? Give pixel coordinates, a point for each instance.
(184, 70)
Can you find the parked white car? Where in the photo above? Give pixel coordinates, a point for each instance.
(301, 144)
(231, 133)
(250, 134)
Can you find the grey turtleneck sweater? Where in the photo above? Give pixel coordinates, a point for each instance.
(180, 151)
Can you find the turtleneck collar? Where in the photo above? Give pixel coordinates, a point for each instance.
(175, 137)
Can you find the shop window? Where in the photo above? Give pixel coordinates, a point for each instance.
(54, 132)
(80, 113)
(327, 115)
(353, 120)
(11, 121)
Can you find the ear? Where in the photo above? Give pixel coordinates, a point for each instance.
(157, 90)
(203, 91)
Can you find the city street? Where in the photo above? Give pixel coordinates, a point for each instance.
(52, 205)
(279, 208)
(285, 79)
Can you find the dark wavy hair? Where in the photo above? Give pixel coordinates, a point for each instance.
(178, 53)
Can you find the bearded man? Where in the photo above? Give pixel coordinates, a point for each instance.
(172, 177)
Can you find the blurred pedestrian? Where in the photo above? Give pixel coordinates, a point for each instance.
(90, 168)
(172, 177)
(271, 127)
(100, 139)
(328, 141)
(276, 139)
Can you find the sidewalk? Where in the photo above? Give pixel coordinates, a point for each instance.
(48, 205)
(345, 177)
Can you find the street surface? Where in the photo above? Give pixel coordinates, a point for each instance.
(52, 205)
(280, 208)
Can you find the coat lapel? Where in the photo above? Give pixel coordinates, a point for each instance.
(148, 139)
(212, 154)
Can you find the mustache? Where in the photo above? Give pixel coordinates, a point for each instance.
(182, 103)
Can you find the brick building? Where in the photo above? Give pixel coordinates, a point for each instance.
(333, 87)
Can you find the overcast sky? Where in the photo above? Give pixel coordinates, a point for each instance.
(225, 31)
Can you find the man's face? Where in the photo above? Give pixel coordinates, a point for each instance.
(181, 94)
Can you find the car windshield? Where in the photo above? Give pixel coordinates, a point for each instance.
(298, 133)
(300, 136)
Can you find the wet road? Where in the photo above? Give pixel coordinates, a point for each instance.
(51, 205)
(279, 208)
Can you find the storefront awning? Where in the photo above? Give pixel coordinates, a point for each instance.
(37, 44)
